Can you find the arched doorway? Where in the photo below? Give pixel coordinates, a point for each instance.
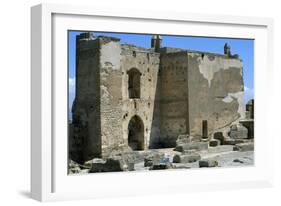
(136, 133)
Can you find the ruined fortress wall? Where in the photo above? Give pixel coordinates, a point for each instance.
(110, 94)
(86, 107)
(216, 87)
(146, 107)
(174, 97)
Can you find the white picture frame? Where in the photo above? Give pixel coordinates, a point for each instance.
(49, 179)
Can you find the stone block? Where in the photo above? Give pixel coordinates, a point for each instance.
(249, 124)
(208, 163)
(243, 147)
(153, 159)
(219, 136)
(198, 146)
(220, 149)
(214, 143)
(97, 160)
(238, 131)
(180, 166)
(111, 165)
(233, 141)
(157, 161)
(186, 158)
(129, 166)
(176, 158)
(161, 166)
(183, 139)
(148, 162)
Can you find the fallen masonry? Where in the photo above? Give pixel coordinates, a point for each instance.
(208, 163)
(192, 154)
(186, 158)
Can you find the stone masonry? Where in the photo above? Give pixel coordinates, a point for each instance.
(134, 98)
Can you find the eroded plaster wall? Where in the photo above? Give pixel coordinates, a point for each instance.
(215, 91)
(111, 95)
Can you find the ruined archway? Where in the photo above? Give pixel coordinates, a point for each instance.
(134, 83)
(136, 133)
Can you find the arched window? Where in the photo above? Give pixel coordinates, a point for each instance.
(134, 83)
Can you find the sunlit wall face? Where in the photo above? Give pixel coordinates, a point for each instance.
(243, 47)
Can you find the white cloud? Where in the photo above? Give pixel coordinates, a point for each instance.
(71, 92)
(248, 93)
(71, 84)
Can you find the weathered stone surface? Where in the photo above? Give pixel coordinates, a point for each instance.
(234, 141)
(111, 165)
(208, 163)
(238, 131)
(190, 158)
(214, 143)
(180, 166)
(219, 136)
(186, 158)
(130, 166)
(160, 167)
(220, 149)
(74, 168)
(96, 160)
(249, 124)
(242, 147)
(148, 162)
(157, 161)
(176, 159)
(183, 139)
(192, 146)
(153, 159)
(104, 106)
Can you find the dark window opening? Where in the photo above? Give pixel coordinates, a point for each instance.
(134, 83)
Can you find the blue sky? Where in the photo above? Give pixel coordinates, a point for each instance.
(243, 47)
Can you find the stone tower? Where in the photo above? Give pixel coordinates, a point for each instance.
(156, 42)
(135, 98)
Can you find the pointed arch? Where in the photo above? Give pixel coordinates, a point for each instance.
(136, 133)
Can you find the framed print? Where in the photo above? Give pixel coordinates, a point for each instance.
(135, 102)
